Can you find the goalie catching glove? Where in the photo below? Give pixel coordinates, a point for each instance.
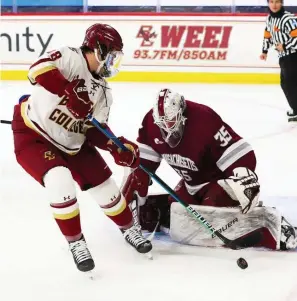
(243, 186)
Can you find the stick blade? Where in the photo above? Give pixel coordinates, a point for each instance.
(250, 240)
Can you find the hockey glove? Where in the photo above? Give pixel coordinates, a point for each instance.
(245, 188)
(128, 158)
(137, 182)
(79, 103)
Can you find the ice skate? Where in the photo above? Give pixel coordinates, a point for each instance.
(134, 237)
(292, 116)
(81, 255)
(288, 236)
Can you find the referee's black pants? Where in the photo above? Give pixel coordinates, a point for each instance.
(288, 65)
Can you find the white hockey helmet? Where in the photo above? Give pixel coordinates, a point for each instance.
(168, 116)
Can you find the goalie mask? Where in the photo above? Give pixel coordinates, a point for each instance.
(106, 43)
(168, 116)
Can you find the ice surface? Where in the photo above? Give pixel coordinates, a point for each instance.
(34, 260)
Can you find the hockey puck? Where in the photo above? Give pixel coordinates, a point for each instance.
(242, 263)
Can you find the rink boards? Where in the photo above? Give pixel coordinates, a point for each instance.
(157, 48)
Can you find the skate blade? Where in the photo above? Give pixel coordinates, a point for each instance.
(91, 275)
(149, 255)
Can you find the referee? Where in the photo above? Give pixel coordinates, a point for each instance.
(281, 31)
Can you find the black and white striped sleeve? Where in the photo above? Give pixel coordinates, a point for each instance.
(267, 41)
(291, 28)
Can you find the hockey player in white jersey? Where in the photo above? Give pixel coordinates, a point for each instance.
(55, 143)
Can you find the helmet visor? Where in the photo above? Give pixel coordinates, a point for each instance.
(112, 63)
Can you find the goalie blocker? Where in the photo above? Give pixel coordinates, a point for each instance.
(277, 232)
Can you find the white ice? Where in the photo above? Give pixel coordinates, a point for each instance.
(35, 264)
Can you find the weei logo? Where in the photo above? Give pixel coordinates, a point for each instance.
(23, 41)
(181, 42)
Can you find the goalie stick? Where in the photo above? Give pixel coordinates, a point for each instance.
(247, 241)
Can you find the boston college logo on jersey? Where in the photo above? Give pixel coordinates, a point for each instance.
(49, 155)
(179, 161)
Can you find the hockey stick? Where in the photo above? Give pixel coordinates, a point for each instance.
(5, 121)
(239, 243)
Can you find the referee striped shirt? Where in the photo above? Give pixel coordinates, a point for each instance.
(281, 30)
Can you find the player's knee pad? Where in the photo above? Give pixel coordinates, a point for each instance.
(108, 197)
(60, 185)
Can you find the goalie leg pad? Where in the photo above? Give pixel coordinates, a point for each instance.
(186, 229)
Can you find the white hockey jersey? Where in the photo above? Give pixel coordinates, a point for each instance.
(47, 114)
